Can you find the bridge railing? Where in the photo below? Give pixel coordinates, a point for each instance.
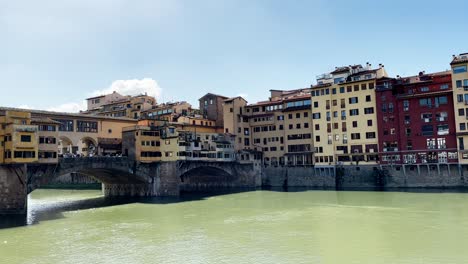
(92, 159)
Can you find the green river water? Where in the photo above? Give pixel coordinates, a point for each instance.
(65, 226)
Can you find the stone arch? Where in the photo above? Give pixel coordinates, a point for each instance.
(65, 146)
(87, 146)
(206, 178)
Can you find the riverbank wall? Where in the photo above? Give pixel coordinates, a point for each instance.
(367, 176)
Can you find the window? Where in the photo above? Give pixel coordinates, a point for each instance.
(356, 88)
(355, 124)
(364, 86)
(25, 138)
(290, 116)
(334, 91)
(353, 100)
(298, 115)
(316, 116)
(354, 112)
(66, 125)
(369, 122)
(426, 117)
(306, 125)
(461, 144)
(369, 110)
(425, 102)
(441, 143)
(355, 136)
(315, 104)
(317, 127)
(427, 130)
(444, 86)
(211, 101)
(424, 89)
(458, 83)
(370, 135)
(462, 126)
(459, 98)
(317, 138)
(461, 111)
(280, 117)
(368, 98)
(459, 69)
(441, 100)
(343, 114)
(405, 105)
(342, 90)
(86, 126)
(306, 114)
(298, 126)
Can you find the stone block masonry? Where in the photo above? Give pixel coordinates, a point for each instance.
(367, 176)
(13, 189)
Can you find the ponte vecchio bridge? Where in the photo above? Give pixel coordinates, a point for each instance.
(121, 176)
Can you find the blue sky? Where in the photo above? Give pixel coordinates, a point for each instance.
(53, 54)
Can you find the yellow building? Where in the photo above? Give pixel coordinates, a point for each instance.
(19, 139)
(460, 99)
(48, 139)
(278, 130)
(150, 143)
(344, 116)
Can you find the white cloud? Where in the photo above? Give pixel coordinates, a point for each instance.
(132, 87)
(69, 107)
(124, 87)
(25, 107)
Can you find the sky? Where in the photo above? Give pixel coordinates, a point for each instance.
(54, 54)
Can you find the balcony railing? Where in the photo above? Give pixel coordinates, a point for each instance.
(25, 128)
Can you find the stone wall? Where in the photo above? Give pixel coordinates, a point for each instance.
(228, 175)
(367, 176)
(13, 189)
(299, 177)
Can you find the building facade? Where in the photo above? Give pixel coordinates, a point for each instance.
(211, 107)
(416, 120)
(18, 138)
(459, 67)
(277, 131)
(344, 116)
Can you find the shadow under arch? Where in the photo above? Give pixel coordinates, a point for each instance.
(206, 178)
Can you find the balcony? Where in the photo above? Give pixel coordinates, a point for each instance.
(390, 149)
(25, 128)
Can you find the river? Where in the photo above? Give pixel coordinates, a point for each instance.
(65, 226)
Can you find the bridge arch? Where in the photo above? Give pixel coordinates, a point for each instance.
(87, 146)
(206, 178)
(65, 145)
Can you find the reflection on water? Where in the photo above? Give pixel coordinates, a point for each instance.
(269, 226)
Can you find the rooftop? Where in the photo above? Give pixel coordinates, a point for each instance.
(43, 112)
(463, 57)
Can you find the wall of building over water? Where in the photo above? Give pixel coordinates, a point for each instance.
(367, 176)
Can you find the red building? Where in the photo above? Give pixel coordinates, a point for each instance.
(416, 122)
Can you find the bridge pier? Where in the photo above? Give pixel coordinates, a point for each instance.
(13, 189)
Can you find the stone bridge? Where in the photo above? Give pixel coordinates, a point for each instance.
(121, 176)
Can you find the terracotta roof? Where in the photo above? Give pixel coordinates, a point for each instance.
(462, 58)
(44, 120)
